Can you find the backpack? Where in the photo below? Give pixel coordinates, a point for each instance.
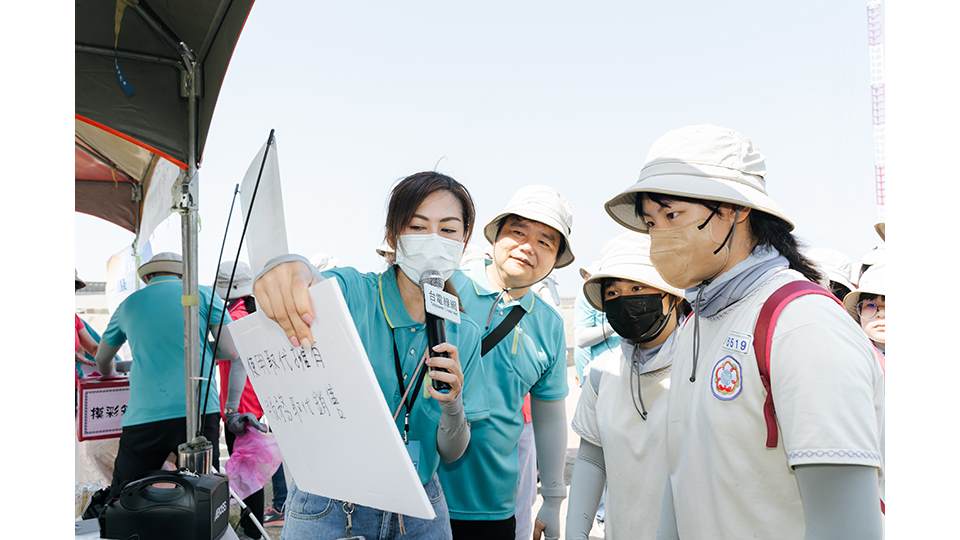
(763, 343)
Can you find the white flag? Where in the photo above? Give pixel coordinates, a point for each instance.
(266, 233)
(122, 277)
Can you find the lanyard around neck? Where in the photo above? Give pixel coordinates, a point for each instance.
(404, 402)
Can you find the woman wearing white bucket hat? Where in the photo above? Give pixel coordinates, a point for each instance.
(835, 270)
(524, 352)
(867, 304)
(761, 334)
(430, 217)
(622, 413)
(235, 287)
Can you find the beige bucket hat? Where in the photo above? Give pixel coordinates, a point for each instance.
(835, 265)
(702, 162)
(242, 281)
(545, 205)
(873, 281)
(628, 257)
(881, 225)
(162, 262)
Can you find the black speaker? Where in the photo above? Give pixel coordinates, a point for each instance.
(197, 507)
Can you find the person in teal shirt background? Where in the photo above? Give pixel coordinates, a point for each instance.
(590, 329)
(429, 220)
(530, 238)
(151, 319)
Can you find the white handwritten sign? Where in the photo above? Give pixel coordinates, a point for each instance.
(327, 411)
(102, 404)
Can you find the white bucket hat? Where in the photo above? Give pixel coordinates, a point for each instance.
(835, 265)
(166, 261)
(545, 205)
(242, 281)
(873, 281)
(877, 255)
(628, 257)
(587, 271)
(701, 162)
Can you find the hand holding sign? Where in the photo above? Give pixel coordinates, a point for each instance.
(326, 410)
(283, 295)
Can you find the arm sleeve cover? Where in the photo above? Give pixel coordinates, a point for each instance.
(105, 353)
(840, 501)
(453, 433)
(585, 337)
(586, 487)
(550, 433)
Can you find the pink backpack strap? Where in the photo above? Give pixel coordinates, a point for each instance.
(763, 341)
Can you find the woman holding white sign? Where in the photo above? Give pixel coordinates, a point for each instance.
(429, 220)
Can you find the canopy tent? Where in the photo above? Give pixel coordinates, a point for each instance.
(108, 189)
(152, 43)
(148, 74)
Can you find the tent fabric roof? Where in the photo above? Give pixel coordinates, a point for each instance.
(146, 53)
(120, 138)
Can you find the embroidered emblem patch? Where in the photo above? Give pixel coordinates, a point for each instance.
(726, 380)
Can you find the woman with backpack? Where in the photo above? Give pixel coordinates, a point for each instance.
(622, 413)
(774, 417)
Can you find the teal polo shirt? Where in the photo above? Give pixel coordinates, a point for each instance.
(151, 319)
(381, 319)
(482, 485)
(585, 316)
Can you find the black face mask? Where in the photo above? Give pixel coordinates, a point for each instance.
(638, 318)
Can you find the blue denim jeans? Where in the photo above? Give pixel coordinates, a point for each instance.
(308, 516)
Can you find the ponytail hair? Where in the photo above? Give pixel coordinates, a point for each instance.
(769, 230)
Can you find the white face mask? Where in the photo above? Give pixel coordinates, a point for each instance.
(417, 253)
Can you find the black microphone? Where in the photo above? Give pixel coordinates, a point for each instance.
(436, 327)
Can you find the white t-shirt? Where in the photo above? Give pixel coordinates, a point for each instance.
(634, 449)
(828, 393)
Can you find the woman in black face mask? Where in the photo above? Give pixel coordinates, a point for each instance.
(621, 415)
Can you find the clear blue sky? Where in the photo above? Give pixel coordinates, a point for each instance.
(569, 94)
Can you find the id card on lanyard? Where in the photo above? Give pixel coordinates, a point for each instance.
(413, 447)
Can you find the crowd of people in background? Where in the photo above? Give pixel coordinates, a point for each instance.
(731, 380)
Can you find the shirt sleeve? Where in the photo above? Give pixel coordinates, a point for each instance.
(584, 421)
(114, 334)
(826, 385)
(553, 384)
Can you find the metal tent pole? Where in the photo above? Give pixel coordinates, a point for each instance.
(196, 453)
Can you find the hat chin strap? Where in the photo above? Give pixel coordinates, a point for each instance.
(504, 290)
(504, 281)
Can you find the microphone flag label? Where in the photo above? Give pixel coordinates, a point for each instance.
(441, 303)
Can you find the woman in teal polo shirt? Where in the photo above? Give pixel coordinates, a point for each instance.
(429, 220)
